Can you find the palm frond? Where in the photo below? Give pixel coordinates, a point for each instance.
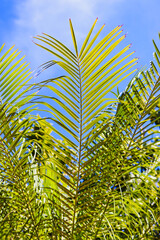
(77, 99)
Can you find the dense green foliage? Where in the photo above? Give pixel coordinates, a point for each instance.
(89, 169)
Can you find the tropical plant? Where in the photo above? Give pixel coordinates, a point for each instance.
(16, 187)
(88, 170)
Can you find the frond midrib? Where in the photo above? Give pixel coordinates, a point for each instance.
(80, 144)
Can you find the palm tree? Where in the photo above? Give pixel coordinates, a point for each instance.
(75, 174)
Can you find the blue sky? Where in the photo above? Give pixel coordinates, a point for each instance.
(20, 20)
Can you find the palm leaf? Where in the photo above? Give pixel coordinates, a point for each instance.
(19, 210)
(91, 74)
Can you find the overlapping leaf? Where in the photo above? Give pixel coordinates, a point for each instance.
(130, 142)
(19, 211)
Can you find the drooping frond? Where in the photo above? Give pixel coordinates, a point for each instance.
(20, 212)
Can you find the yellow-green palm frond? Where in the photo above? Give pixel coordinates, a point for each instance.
(19, 210)
(75, 100)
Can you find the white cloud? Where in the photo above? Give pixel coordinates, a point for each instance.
(51, 16)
